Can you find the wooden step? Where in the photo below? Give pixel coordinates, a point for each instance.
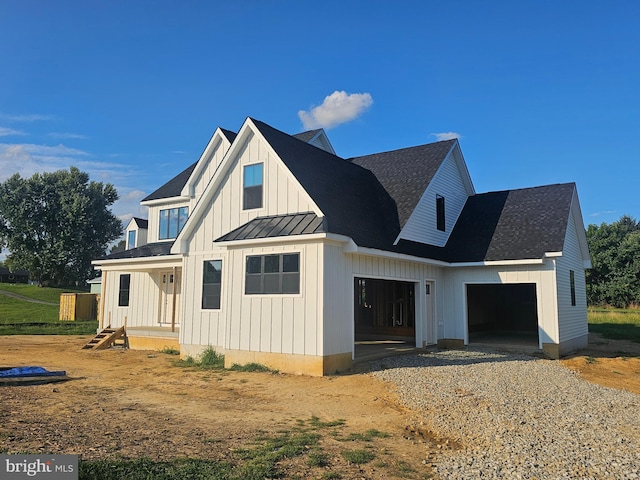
(107, 338)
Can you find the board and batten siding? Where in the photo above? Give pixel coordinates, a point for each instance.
(572, 319)
(285, 323)
(144, 300)
(340, 271)
(278, 323)
(213, 160)
(421, 226)
(457, 278)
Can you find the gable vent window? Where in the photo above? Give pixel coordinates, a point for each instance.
(572, 284)
(273, 274)
(440, 223)
(252, 187)
(171, 222)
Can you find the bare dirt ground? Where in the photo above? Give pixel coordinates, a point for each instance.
(126, 403)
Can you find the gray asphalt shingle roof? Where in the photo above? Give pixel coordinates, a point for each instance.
(406, 173)
(352, 199)
(369, 198)
(157, 249)
(173, 187)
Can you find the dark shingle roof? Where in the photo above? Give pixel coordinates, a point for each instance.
(277, 226)
(231, 136)
(507, 225)
(141, 222)
(352, 199)
(407, 172)
(149, 250)
(512, 225)
(173, 187)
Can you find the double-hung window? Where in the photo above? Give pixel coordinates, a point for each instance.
(272, 274)
(171, 222)
(123, 292)
(252, 186)
(211, 284)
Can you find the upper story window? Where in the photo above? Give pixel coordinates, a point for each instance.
(252, 186)
(131, 239)
(171, 222)
(440, 223)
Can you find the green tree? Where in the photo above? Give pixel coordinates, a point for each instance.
(54, 224)
(614, 278)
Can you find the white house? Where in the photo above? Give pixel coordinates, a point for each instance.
(272, 249)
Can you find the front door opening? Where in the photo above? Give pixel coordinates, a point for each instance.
(384, 309)
(502, 313)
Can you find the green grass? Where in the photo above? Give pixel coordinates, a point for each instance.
(264, 457)
(358, 456)
(617, 324)
(44, 294)
(19, 317)
(145, 469)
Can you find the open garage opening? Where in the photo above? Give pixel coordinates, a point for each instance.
(502, 313)
(384, 316)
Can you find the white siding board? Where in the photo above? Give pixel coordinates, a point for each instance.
(572, 320)
(448, 182)
(456, 302)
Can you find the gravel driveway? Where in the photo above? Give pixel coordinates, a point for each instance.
(518, 417)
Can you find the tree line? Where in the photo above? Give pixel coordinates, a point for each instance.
(614, 278)
(55, 224)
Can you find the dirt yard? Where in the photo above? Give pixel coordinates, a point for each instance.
(125, 403)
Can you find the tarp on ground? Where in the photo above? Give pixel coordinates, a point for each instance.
(16, 372)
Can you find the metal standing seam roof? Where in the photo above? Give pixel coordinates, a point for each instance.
(277, 226)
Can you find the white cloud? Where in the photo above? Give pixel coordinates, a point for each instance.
(337, 108)
(64, 135)
(598, 214)
(446, 136)
(7, 132)
(27, 159)
(26, 118)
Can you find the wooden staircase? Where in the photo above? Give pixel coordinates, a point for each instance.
(109, 337)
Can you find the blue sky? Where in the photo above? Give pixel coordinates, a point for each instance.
(130, 91)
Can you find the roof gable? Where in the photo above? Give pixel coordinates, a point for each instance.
(317, 138)
(351, 198)
(406, 173)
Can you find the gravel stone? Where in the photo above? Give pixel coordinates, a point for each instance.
(516, 416)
